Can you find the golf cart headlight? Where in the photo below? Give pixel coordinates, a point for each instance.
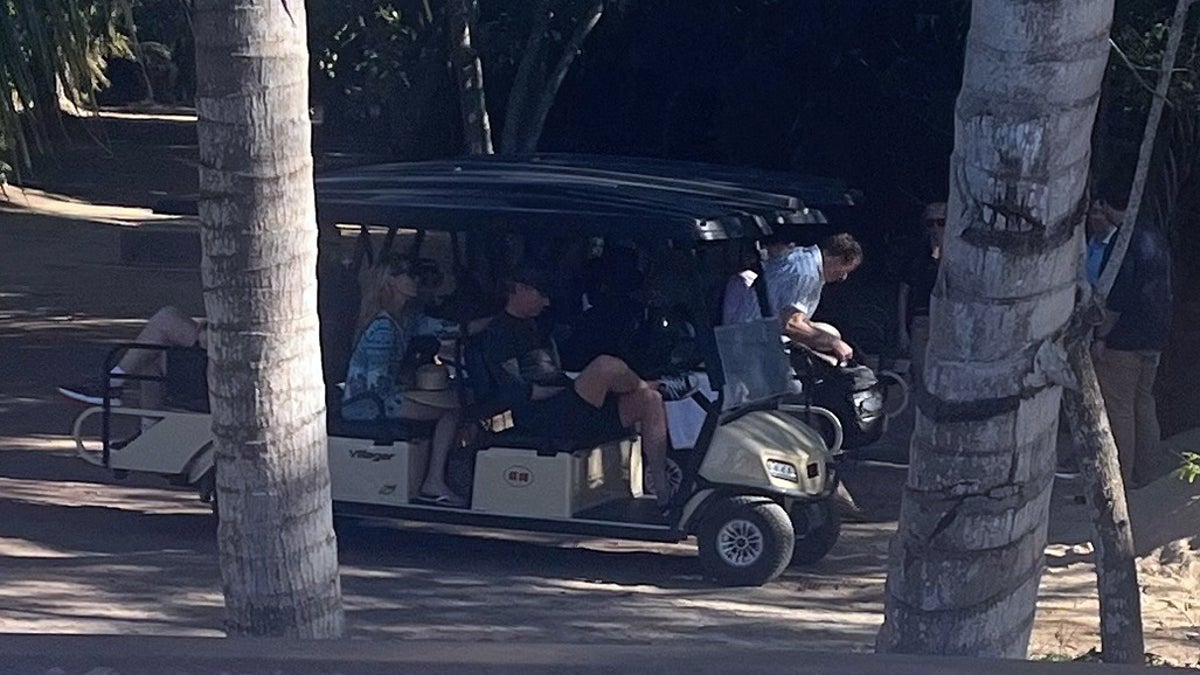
(782, 470)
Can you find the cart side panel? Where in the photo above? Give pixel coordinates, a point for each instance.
(363, 472)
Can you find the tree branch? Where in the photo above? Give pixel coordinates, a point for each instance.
(518, 96)
(1125, 233)
(1134, 68)
(572, 50)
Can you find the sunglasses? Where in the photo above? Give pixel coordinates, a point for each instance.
(422, 270)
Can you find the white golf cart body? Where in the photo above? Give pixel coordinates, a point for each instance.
(758, 481)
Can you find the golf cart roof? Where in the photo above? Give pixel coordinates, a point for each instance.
(576, 194)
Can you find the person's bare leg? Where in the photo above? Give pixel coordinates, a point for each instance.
(607, 375)
(640, 406)
(168, 327)
(643, 409)
(443, 442)
(444, 432)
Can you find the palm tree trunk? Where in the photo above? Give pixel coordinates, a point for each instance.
(967, 557)
(278, 553)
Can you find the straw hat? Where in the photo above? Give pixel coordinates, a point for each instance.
(432, 388)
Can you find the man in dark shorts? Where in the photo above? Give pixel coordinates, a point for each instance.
(606, 400)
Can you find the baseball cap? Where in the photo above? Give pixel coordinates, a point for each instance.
(534, 277)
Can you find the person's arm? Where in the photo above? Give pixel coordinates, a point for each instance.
(798, 328)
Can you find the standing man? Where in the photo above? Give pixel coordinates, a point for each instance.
(1127, 346)
(912, 305)
(795, 277)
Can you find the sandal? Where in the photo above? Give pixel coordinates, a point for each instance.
(450, 501)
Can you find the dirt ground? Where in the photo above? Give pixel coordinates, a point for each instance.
(81, 552)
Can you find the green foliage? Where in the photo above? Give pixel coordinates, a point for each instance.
(44, 43)
(1190, 470)
(1140, 34)
(365, 53)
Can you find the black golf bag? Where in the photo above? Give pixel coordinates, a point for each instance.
(852, 392)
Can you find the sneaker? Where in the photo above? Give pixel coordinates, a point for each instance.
(677, 387)
(92, 393)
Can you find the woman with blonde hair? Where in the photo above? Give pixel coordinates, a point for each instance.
(378, 385)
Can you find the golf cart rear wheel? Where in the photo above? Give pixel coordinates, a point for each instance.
(815, 540)
(746, 541)
(674, 478)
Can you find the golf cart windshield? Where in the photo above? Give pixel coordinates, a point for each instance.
(753, 364)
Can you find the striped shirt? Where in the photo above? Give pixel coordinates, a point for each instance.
(794, 280)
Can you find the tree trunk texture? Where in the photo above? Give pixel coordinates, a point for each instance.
(468, 75)
(527, 82)
(1121, 639)
(278, 552)
(968, 553)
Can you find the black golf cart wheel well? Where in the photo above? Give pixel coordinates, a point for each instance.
(723, 492)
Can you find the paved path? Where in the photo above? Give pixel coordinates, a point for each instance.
(64, 655)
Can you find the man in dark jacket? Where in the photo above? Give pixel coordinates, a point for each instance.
(1128, 345)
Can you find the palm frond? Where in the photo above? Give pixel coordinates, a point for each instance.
(48, 49)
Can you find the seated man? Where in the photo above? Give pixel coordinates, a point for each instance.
(606, 399)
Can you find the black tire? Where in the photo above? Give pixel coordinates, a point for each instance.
(818, 541)
(674, 477)
(745, 541)
(206, 487)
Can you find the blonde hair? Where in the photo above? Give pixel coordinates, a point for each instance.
(377, 293)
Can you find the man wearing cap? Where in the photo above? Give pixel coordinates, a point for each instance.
(604, 401)
(795, 277)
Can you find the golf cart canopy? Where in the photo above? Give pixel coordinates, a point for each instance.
(576, 194)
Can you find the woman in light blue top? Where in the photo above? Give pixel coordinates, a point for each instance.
(388, 322)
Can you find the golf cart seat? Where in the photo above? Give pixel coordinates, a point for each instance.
(381, 430)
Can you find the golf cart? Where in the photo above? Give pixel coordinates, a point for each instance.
(754, 481)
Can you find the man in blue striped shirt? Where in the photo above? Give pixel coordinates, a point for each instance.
(794, 278)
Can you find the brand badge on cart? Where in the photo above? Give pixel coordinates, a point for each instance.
(372, 456)
(518, 476)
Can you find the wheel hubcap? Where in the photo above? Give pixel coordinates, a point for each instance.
(740, 543)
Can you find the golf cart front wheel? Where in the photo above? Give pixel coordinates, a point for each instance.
(746, 541)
